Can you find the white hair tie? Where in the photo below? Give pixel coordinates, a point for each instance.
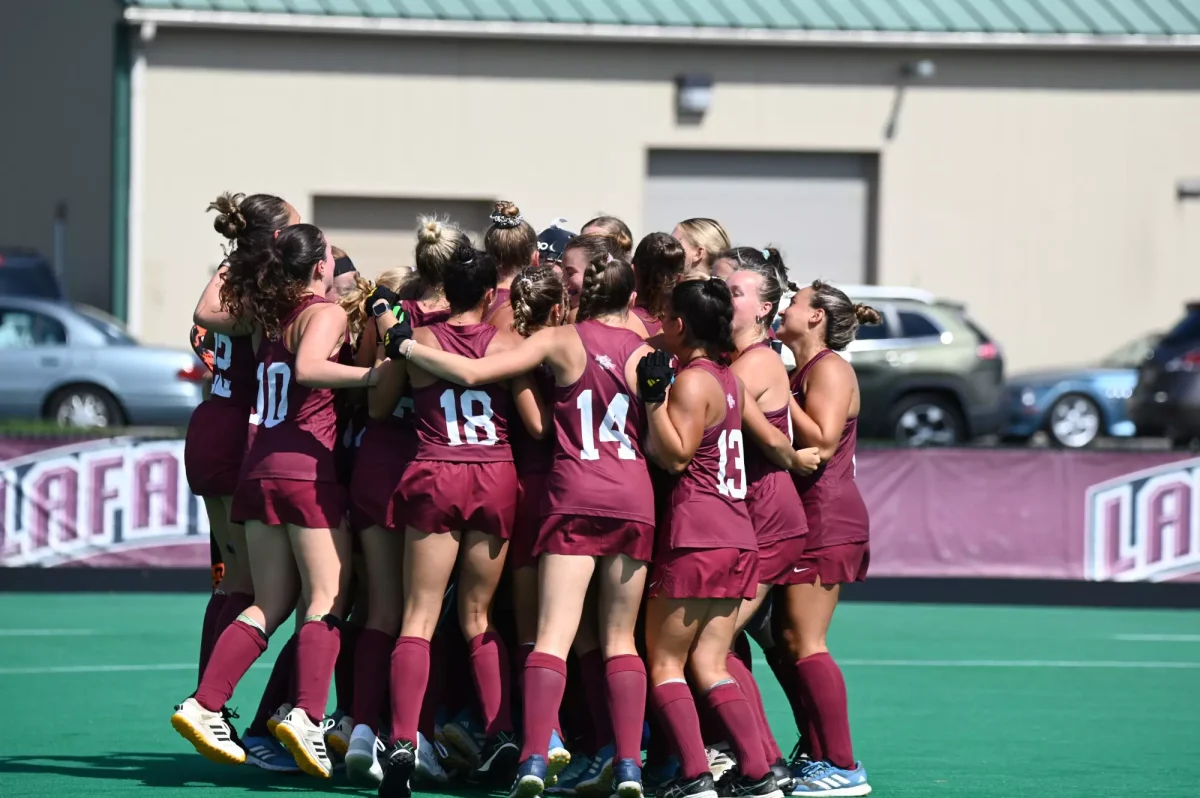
(500, 220)
(766, 253)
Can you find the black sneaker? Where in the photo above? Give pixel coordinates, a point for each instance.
(744, 787)
(498, 760)
(783, 776)
(700, 787)
(398, 767)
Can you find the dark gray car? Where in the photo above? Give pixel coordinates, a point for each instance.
(76, 365)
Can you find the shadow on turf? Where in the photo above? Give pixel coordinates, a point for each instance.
(188, 771)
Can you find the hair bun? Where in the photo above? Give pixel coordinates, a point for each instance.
(431, 231)
(506, 214)
(867, 314)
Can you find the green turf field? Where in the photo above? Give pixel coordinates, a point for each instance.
(954, 701)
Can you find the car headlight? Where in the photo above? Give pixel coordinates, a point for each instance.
(1028, 397)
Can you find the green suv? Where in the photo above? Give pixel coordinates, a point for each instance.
(929, 376)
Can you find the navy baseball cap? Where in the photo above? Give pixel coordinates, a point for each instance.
(552, 241)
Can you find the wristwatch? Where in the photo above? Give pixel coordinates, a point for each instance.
(378, 310)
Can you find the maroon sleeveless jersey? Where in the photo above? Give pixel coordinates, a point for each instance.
(457, 424)
(707, 508)
(297, 434)
(599, 469)
(502, 297)
(234, 366)
(832, 502)
(419, 317)
(531, 455)
(219, 428)
(651, 323)
(774, 505)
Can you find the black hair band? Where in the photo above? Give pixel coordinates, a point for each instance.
(343, 266)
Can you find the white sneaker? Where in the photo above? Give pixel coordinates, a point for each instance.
(305, 741)
(362, 757)
(429, 768)
(209, 732)
(338, 738)
(277, 717)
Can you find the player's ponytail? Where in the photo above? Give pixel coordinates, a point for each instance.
(608, 279)
(706, 309)
(535, 293)
(271, 281)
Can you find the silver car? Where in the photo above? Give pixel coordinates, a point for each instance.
(76, 365)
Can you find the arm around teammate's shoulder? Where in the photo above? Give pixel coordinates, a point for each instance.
(505, 365)
(676, 426)
(322, 335)
(827, 398)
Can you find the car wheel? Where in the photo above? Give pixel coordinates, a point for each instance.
(1074, 421)
(927, 420)
(84, 406)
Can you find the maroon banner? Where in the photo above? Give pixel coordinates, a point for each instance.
(1009, 513)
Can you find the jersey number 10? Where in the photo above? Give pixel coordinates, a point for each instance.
(273, 384)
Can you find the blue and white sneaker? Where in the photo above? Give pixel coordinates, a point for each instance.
(557, 759)
(597, 779)
(627, 779)
(530, 780)
(569, 778)
(268, 753)
(822, 778)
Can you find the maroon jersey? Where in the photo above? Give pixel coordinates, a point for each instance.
(651, 323)
(531, 455)
(832, 502)
(419, 317)
(463, 425)
(297, 435)
(234, 366)
(217, 433)
(707, 508)
(502, 296)
(599, 469)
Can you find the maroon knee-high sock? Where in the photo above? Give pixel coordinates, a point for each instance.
(435, 689)
(741, 674)
(626, 677)
(236, 649)
(784, 668)
(825, 693)
(729, 703)
(278, 690)
(677, 710)
(545, 681)
(489, 666)
(408, 680)
(712, 731)
(343, 671)
(208, 631)
(316, 656)
(592, 673)
(371, 663)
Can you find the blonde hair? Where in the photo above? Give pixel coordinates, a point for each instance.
(438, 242)
(615, 229)
(355, 301)
(706, 234)
(510, 240)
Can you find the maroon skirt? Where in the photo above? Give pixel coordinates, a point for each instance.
(594, 536)
(314, 505)
(705, 574)
(440, 496)
(779, 562)
(531, 509)
(213, 448)
(836, 565)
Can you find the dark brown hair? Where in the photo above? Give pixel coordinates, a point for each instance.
(614, 228)
(657, 266)
(535, 292)
(607, 280)
(269, 283)
(706, 309)
(249, 221)
(842, 316)
(510, 240)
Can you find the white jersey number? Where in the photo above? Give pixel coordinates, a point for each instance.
(272, 406)
(735, 486)
(222, 360)
(612, 427)
(478, 428)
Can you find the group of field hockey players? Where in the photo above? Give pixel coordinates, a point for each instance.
(525, 503)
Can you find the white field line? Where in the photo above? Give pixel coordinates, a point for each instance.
(47, 632)
(880, 663)
(1140, 638)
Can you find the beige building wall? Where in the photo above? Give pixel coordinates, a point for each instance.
(1038, 188)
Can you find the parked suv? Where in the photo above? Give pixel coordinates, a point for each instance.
(1166, 400)
(23, 272)
(928, 375)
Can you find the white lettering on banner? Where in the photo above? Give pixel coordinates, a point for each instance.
(1145, 526)
(75, 502)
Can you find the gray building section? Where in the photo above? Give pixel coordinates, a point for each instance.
(57, 61)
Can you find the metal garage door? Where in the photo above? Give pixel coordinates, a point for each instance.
(380, 233)
(817, 209)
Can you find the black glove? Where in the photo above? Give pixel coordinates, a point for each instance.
(655, 375)
(400, 332)
(381, 299)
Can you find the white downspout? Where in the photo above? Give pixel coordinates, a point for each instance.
(137, 163)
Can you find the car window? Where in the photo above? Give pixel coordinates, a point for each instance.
(1132, 354)
(1187, 330)
(874, 332)
(917, 325)
(24, 329)
(106, 325)
(37, 282)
